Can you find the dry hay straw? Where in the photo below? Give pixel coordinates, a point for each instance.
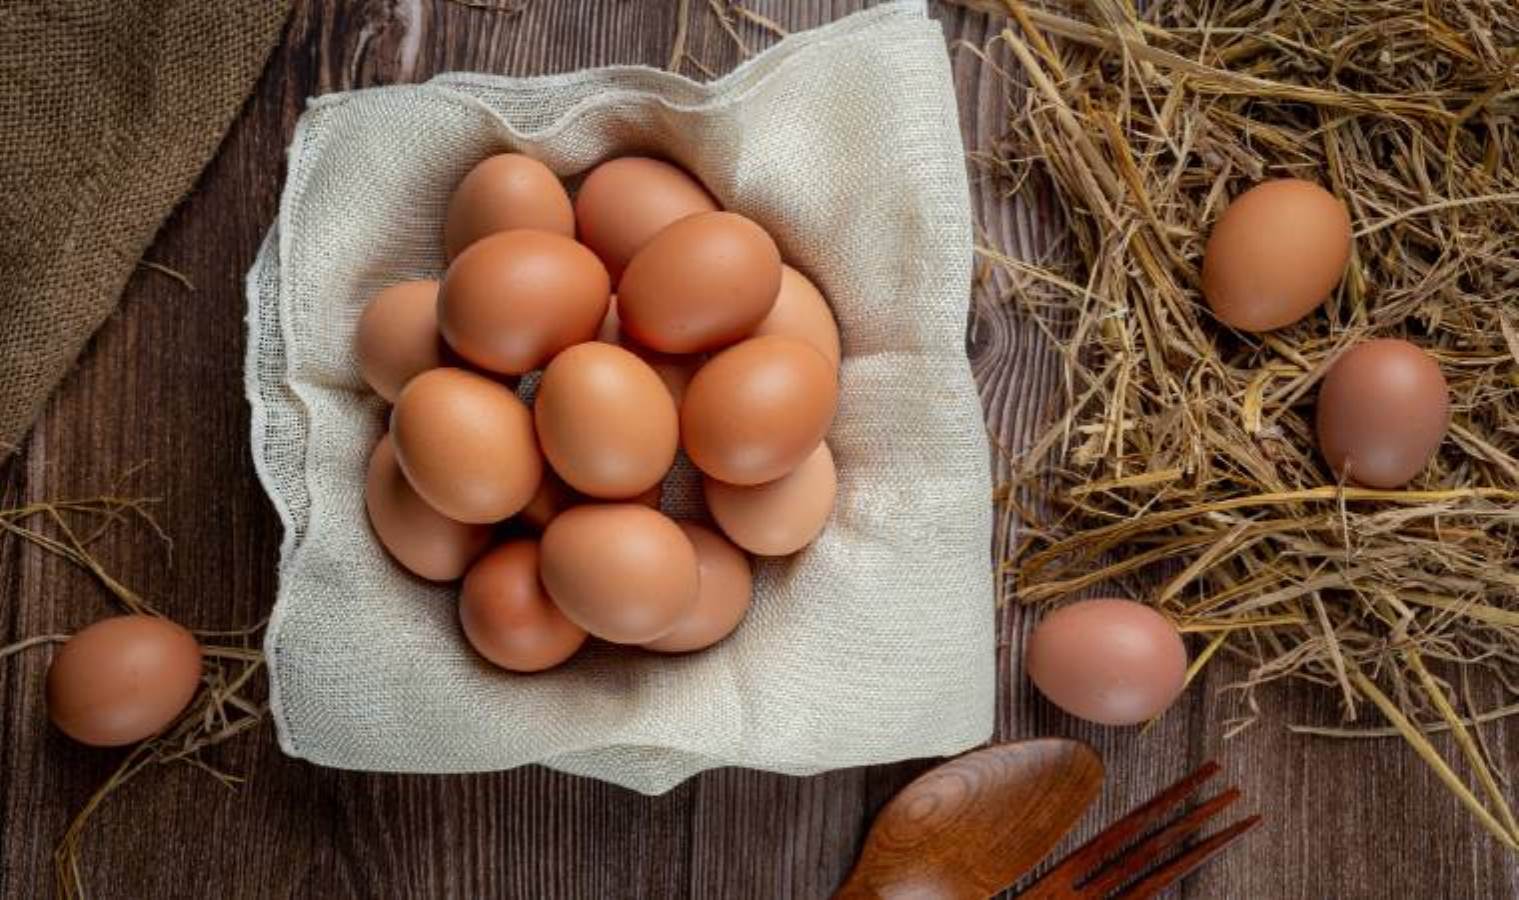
(224, 707)
(1182, 464)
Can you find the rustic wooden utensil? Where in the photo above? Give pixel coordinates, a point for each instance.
(1092, 872)
(972, 826)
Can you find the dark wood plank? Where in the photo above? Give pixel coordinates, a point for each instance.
(162, 385)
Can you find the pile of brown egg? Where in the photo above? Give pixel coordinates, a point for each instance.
(654, 322)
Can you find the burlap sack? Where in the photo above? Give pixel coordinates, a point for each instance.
(108, 112)
(874, 644)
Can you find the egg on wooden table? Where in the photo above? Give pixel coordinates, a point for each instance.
(700, 284)
(605, 421)
(466, 445)
(506, 192)
(1383, 411)
(725, 585)
(1275, 254)
(754, 411)
(1109, 661)
(424, 541)
(621, 571)
(513, 300)
(508, 618)
(122, 679)
(397, 337)
(624, 202)
(778, 517)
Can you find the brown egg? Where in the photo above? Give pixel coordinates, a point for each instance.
(554, 497)
(621, 571)
(725, 584)
(780, 516)
(424, 541)
(801, 312)
(122, 680)
(513, 300)
(624, 202)
(507, 616)
(674, 370)
(1383, 410)
(605, 421)
(1113, 662)
(757, 409)
(701, 284)
(466, 445)
(398, 336)
(504, 193)
(1275, 254)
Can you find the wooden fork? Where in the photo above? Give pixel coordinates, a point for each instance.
(1101, 866)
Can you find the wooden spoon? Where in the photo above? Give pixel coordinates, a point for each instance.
(974, 825)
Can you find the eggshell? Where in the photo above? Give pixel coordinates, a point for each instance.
(757, 409)
(397, 336)
(700, 284)
(466, 445)
(1275, 254)
(605, 421)
(504, 193)
(624, 202)
(122, 680)
(801, 312)
(1113, 662)
(513, 300)
(725, 584)
(621, 571)
(1383, 411)
(509, 618)
(554, 497)
(780, 516)
(423, 540)
(675, 370)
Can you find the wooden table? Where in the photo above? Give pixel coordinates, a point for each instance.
(162, 385)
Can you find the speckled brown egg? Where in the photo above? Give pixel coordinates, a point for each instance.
(726, 583)
(803, 313)
(624, 202)
(424, 541)
(621, 571)
(701, 284)
(778, 517)
(466, 445)
(507, 616)
(513, 300)
(122, 680)
(506, 192)
(757, 409)
(605, 421)
(1383, 411)
(1113, 662)
(1275, 254)
(397, 337)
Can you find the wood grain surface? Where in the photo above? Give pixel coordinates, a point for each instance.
(162, 386)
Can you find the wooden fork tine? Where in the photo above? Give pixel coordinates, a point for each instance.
(1176, 869)
(1090, 855)
(1139, 858)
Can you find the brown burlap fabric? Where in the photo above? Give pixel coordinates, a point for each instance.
(109, 109)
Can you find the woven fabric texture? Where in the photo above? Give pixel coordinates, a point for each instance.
(108, 112)
(874, 644)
